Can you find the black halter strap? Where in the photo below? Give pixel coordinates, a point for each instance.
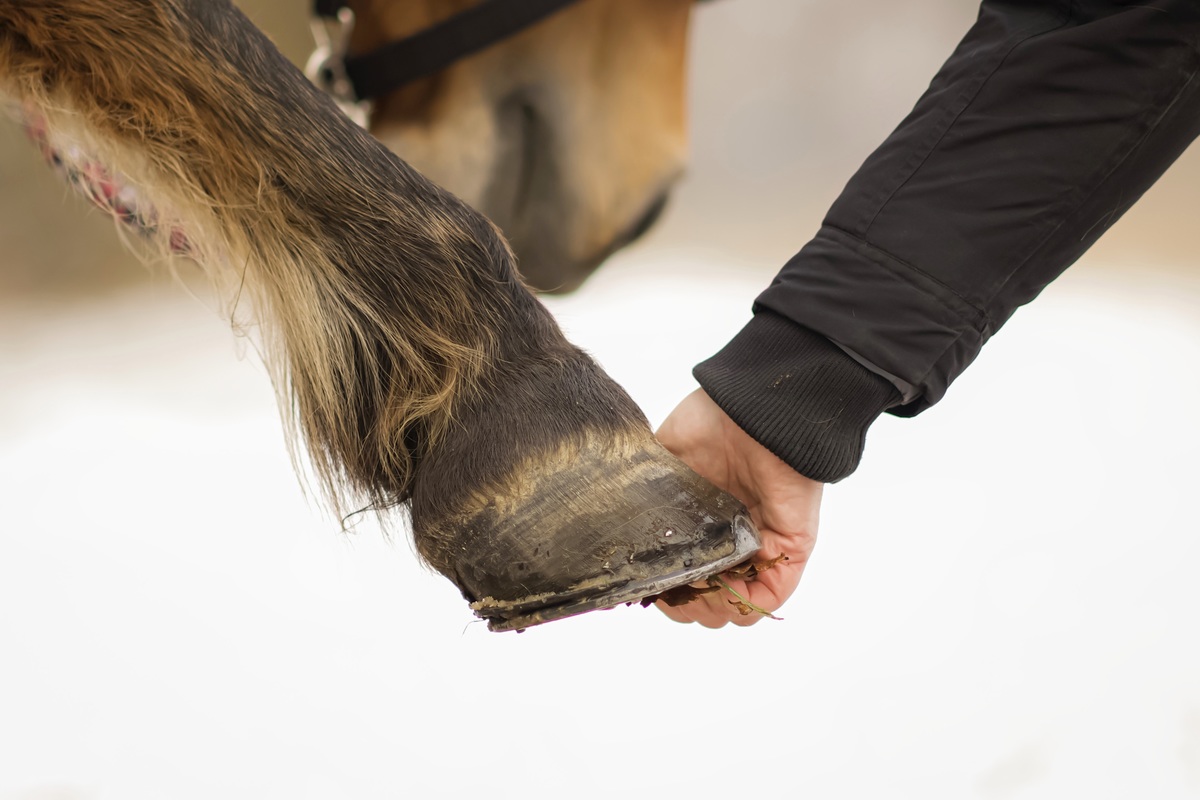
(394, 64)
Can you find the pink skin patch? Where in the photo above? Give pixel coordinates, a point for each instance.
(108, 191)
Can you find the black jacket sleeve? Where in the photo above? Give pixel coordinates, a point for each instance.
(1047, 123)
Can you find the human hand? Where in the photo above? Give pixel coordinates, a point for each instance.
(783, 503)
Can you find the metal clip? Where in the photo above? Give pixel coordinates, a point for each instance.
(327, 65)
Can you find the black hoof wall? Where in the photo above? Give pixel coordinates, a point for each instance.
(715, 548)
(595, 532)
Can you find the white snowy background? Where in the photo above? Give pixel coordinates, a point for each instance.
(1002, 603)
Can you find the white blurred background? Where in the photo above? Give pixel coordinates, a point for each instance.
(1002, 604)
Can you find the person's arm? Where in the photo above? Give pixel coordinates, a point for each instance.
(1046, 124)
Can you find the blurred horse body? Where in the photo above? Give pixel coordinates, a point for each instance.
(568, 135)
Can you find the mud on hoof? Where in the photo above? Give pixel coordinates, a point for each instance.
(592, 527)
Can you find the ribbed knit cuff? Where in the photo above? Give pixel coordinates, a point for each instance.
(797, 394)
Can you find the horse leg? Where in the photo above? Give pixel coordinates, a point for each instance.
(418, 368)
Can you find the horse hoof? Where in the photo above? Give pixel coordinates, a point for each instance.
(593, 529)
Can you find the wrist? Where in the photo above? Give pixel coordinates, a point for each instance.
(797, 394)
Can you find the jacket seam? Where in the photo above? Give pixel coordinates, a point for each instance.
(890, 262)
(1120, 156)
(967, 98)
